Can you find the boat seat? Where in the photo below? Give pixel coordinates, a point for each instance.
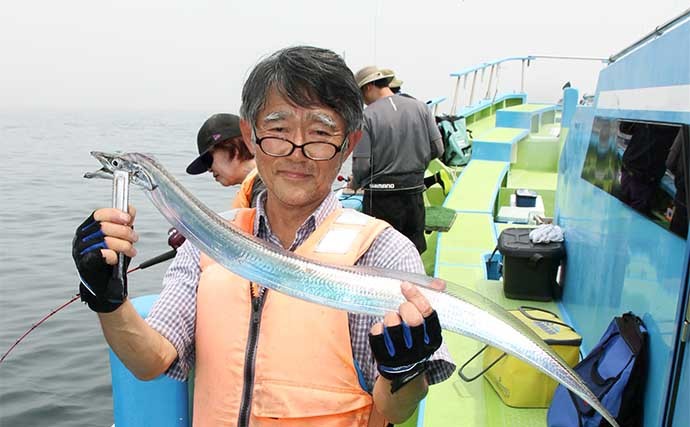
(477, 186)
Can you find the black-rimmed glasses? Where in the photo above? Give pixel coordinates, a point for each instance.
(276, 146)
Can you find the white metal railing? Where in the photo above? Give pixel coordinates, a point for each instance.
(654, 34)
(478, 72)
(434, 103)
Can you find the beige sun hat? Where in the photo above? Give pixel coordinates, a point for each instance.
(367, 75)
(387, 72)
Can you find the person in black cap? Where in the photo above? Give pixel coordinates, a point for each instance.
(222, 151)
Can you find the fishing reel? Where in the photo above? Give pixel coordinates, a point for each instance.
(175, 238)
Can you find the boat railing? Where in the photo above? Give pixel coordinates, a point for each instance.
(658, 31)
(434, 103)
(476, 76)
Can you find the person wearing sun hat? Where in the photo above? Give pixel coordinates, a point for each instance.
(395, 84)
(399, 140)
(223, 153)
(387, 72)
(371, 76)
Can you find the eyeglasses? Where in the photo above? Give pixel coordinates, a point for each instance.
(316, 150)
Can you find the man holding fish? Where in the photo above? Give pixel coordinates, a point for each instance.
(261, 357)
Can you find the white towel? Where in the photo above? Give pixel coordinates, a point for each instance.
(546, 233)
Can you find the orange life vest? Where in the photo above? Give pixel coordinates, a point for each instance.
(304, 372)
(244, 195)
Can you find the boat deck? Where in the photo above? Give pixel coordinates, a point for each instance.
(458, 403)
(503, 159)
(476, 188)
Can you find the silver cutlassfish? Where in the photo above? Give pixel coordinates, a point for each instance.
(354, 289)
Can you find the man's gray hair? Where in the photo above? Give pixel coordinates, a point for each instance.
(309, 77)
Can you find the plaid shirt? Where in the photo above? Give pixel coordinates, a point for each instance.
(174, 314)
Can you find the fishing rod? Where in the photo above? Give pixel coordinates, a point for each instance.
(175, 240)
(344, 179)
(343, 195)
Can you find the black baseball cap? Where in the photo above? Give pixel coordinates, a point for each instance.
(217, 128)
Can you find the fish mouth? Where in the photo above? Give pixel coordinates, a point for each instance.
(107, 161)
(104, 158)
(111, 161)
(121, 162)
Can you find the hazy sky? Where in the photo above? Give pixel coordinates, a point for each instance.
(195, 54)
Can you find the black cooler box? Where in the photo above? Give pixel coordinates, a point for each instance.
(529, 270)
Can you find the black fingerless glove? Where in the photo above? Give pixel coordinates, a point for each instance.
(401, 352)
(99, 289)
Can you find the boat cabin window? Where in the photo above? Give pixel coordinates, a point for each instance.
(643, 164)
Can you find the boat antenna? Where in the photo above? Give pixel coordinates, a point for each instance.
(175, 240)
(376, 20)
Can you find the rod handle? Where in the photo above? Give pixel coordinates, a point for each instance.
(121, 201)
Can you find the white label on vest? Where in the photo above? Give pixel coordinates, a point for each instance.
(228, 215)
(337, 241)
(352, 217)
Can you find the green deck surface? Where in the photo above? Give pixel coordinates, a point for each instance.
(471, 231)
(481, 125)
(476, 188)
(462, 257)
(500, 135)
(521, 178)
(457, 403)
(529, 108)
(550, 130)
(541, 151)
(482, 186)
(460, 274)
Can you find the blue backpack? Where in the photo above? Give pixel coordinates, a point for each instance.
(615, 370)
